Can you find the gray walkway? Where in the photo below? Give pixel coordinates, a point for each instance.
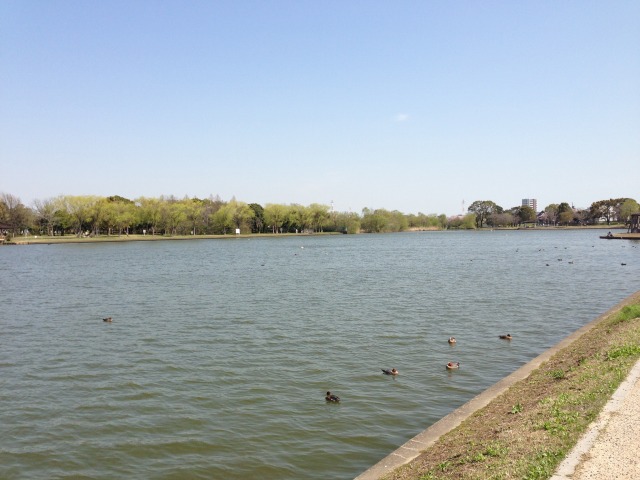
(611, 447)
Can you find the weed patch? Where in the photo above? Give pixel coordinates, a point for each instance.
(628, 312)
(624, 351)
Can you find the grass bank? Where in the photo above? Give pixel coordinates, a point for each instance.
(527, 431)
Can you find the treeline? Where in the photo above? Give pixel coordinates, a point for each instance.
(89, 215)
(617, 210)
(115, 215)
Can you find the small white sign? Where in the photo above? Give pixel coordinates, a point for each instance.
(237, 231)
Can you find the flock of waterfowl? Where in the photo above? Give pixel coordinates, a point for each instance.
(330, 397)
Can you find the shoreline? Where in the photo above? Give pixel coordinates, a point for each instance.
(61, 240)
(58, 240)
(405, 459)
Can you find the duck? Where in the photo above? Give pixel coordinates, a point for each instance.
(452, 365)
(107, 319)
(332, 398)
(506, 337)
(392, 371)
(452, 340)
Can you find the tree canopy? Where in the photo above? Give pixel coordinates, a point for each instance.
(482, 209)
(168, 215)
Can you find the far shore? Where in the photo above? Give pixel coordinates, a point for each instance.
(61, 239)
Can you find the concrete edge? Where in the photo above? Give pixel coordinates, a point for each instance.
(412, 448)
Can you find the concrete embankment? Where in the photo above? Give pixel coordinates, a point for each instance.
(423, 441)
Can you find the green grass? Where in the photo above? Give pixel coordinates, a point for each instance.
(628, 312)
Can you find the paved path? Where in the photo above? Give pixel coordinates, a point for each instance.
(611, 447)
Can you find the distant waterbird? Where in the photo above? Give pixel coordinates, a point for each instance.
(330, 397)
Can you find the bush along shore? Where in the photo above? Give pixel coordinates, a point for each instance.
(527, 431)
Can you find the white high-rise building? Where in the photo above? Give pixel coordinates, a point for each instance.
(530, 202)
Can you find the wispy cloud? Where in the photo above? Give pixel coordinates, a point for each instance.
(401, 117)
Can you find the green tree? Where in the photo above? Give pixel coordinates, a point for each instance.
(525, 214)
(234, 215)
(194, 213)
(63, 222)
(551, 212)
(174, 216)
(274, 216)
(80, 210)
(348, 222)
(628, 207)
(607, 209)
(125, 216)
(210, 206)
(422, 221)
(299, 217)
(466, 222)
(222, 220)
(374, 221)
(99, 214)
(257, 222)
(318, 215)
(118, 198)
(565, 213)
(397, 222)
(241, 214)
(151, 213)
(482, 209)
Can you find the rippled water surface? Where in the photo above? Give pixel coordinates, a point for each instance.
(220, 351)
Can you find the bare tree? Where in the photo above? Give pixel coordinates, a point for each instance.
(45, 214)
(16, 214)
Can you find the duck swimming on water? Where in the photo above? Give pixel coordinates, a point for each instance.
(392, 371)
(452, 365)
(107, 319)
(506, 337)
(452, 340)
(332, 398)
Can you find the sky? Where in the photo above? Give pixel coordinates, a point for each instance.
(418, 106)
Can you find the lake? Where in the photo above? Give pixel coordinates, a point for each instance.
(221, 351)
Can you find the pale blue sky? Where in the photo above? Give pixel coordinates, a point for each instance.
(408, 105)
